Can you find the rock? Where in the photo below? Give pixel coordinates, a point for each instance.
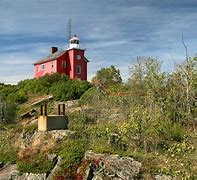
(55, 169)
(52, 157)
(111, 167)
(99, 177)
(39, 141)
(27, 176)
(1, 164)
(14, 174)
(24, 139)
(163, 177)
(89, 173)
(7, 170)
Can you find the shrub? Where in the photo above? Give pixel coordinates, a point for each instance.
(35, 164)
(7, 152)
(60, 86)
(78, 121)
(21, 97)
(171, 131)
(108, 76)
(60, 90)
(30, 128)
(91, 95)
(9, 112)
(69, 90)
(72, 151)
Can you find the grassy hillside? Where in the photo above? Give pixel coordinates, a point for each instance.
(151, 117)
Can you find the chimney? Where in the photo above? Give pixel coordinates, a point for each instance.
(54, 49)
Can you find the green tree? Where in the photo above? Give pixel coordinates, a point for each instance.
(187, 76)
(147, 86)
(108, 76)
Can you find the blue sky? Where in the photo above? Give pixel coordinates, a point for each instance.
(112, 31)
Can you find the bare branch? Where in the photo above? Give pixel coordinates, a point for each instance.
(186, 53)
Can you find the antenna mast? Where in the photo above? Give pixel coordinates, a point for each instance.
(69, 28)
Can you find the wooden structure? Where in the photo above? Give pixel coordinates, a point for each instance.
(52, 122)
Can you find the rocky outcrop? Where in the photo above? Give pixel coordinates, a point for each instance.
(163, 177)
(52, 157)
(15, 175)
(93, 167)
(39, 141)
(110, 167)
(6, 170)
(55, 169)
(25, 140)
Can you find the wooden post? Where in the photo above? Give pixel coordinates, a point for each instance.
(41, 110)
(64, 109)
(59, 111)
(45, 109)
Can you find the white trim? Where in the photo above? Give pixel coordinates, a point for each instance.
(64, 64)
(78, 57)
(78, 69)
(43, 67)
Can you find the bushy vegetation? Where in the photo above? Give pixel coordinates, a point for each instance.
(30, 129)
(151, 117)
(108, 76)
(7, 152)
(8, 112)
(37, 163)
(60, 86)
(74, 152)
(153, 114)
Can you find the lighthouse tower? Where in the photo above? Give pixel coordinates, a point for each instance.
(78, 62)
(74, 42)
(71, 61)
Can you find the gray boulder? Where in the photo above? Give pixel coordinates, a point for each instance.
(27, 176)
(163, 177)
(111, 167)
(52, 157)
(55, 169)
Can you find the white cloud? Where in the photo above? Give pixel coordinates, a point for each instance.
(113, 32)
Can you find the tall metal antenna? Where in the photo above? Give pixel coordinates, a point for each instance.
(69, 28)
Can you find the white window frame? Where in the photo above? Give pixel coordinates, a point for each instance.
(78, 69)
(78, 56)
(43, 67)
(64, 64)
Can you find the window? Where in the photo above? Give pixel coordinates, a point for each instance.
(74, 42)
(37, 69)
(78, 57)
(63, 64)
(52, 64)
(43, 67)
(78, 69)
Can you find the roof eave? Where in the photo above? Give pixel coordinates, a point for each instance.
(86, 59)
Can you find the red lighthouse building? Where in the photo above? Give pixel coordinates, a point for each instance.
(71, 62)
